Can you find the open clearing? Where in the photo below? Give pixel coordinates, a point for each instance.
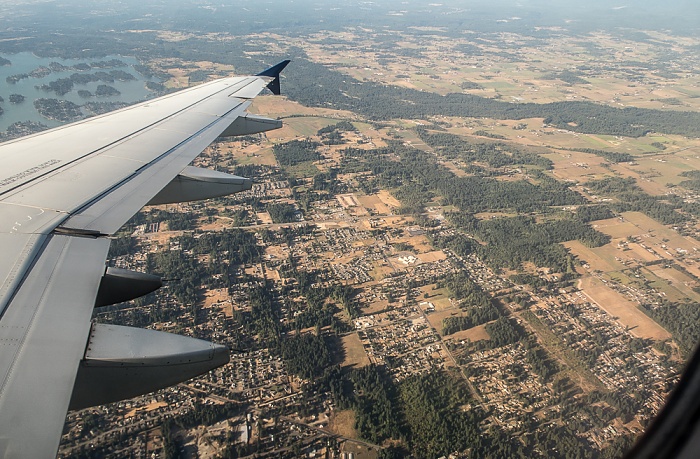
(679, 280)
(618, 306)
(577, 166)
(598, 262)
(429, 257)
(436, 318)
(150, 407)
(355, 355)
(342, 422)
(473, 334)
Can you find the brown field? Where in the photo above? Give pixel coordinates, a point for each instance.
(276, 106)
(667, 289)
(618, 306)
(597, 262)
(420, 243)
(435, 255)
(272, 274)
(474, 334)
(150, 407)
(381, 270)
(641, 254)
(376, 306)
(355, 355)
(616, 227)
(678, 279)
(217, 225)
(436, 318)
(374, 202)
(347, 200)
(215, 296)
(342, 422)
(302, 126)
(660, 232)
(655, 172)
(358, 450)
(441, 303)
(644, 179)
(255, 154)
(577, 166)
(693, 269)
(388, 199)
(264, 217)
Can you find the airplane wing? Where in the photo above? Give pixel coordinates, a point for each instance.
(63, 192)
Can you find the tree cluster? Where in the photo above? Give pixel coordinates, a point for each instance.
(296, 152)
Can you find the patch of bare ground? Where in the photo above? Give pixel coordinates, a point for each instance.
(342, 422)
(355, 355)
(627, 313)
(473, 334)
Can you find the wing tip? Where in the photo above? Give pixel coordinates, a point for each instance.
(274, 72)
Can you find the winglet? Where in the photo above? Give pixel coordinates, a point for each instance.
(274, 72)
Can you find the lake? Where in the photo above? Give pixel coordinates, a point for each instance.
(24, 63)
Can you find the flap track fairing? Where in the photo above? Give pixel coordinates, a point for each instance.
(195, 184)
(124, 362)
(119, 285)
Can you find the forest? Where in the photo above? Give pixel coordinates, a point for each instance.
(295, 152)
(381, 102)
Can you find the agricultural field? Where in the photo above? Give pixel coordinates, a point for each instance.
(624, 310)
(354, 354)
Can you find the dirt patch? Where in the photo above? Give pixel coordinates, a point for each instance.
(592, 259)
(355, 355)
(215, 297)
(615, 227)
(644, 254)
(437, 317)
(473, 334)
(388, 199)
(264, 218)
(151, 407)
(626, 311)
(375, 307)
(428, 257)
(347, 200)
(343, 423)
(374, 203)
(577, 166)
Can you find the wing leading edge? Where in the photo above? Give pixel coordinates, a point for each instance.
(62, 193)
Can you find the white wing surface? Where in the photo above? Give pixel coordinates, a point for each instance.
(62, 193)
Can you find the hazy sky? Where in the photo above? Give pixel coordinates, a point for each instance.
(682, 16)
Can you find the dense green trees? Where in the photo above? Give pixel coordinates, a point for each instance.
(122, 245)
(371, 395)
(541, 363)
(592, 213)
(282, 212)
(494, 154)
(612, 156)
(477, 305)
(306, 355)
(381, 102)
(632, 198)
(296, 151)
(514, 240)
(503, 331)
(233, 246)
(682, 319)
(435, 423)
